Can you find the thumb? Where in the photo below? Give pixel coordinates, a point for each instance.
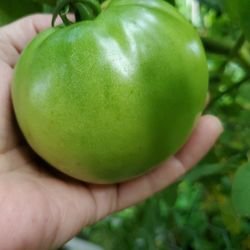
(13, 38)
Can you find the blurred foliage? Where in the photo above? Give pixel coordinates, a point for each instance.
(239, 12)
(198, 212)
(241, 190)
(12, 9)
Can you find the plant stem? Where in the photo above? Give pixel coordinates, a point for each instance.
(83, 10)
(219, 48)
(234, 86)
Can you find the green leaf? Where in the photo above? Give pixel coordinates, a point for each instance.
(170, 194)
(217, 5)
(244, 17)
(232, 10)
(243, 97)
(241, 190)
(204, 171)
(49, 2)
(13, 9)
(239, 13)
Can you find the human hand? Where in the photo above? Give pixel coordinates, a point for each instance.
(41, 209)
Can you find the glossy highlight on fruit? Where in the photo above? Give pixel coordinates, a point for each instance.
(108, 99)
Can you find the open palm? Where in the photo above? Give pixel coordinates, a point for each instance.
(41, 209)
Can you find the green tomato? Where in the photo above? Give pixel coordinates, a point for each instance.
(109, 99)
(239, 11)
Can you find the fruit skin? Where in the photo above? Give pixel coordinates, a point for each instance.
(239, 11)
(107, 100)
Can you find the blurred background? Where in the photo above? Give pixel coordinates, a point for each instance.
(207, 209)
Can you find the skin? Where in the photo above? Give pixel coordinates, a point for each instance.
(41, 209)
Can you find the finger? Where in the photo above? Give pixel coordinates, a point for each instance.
(203, 138)
(15, 36)
(21, 32)
(201, 141)
(8, 135)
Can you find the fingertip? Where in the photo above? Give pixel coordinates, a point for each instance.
(203, 138)
(213, 123)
